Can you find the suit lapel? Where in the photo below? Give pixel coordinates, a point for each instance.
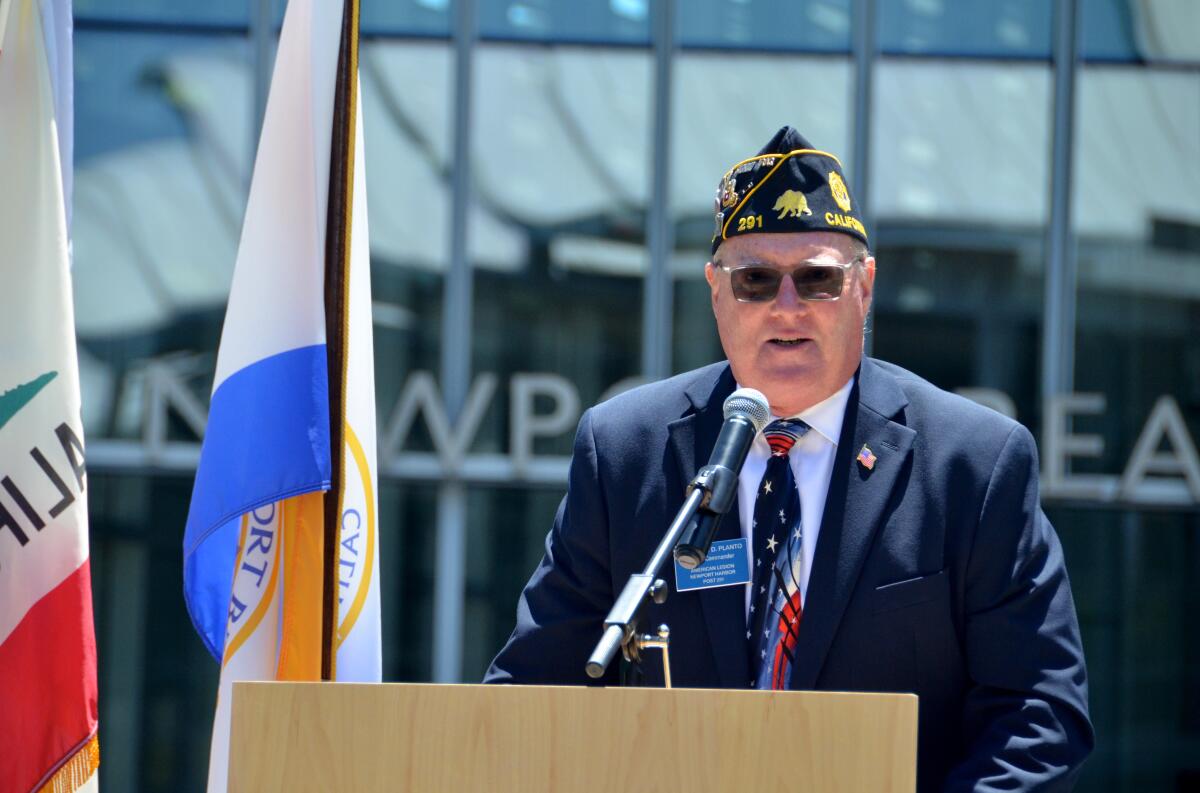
(692, 439)
(856, 504)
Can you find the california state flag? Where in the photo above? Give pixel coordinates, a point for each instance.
(47, 643)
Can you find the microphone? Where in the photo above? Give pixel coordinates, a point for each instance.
(746, 413)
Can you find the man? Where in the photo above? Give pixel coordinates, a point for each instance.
(897, 537)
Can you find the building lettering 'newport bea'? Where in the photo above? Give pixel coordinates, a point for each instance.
(1160, 469)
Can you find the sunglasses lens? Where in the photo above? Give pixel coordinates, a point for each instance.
(818, 282)
(753, 284)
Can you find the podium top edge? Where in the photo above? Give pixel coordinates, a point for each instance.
(257, 684)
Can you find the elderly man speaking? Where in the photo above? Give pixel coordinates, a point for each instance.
(897, 539)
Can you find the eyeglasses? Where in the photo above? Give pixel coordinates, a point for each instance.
(757, 283)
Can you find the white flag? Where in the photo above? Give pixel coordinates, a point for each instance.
(254, 548)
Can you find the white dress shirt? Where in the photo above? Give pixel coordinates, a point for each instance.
(812, 466)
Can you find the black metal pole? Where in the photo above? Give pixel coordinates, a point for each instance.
(621, 622)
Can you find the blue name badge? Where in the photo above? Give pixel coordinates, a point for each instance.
(727, 563)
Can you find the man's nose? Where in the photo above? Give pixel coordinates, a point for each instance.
(787, 297)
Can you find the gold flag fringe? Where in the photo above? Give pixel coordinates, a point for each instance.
(77, 771)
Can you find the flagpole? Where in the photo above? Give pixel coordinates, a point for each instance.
(337, 314)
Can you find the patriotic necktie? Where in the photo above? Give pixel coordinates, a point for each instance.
(775, 607)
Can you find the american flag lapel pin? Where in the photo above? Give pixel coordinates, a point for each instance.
(866, 458)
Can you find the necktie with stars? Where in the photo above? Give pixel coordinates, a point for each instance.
(775, 607)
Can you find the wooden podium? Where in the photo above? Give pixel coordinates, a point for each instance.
(510, 739)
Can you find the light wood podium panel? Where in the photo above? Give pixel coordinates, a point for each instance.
(502, 739)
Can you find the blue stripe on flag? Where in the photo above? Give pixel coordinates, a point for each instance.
(267, 439)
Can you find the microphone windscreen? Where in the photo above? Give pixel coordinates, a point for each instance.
(751, 404)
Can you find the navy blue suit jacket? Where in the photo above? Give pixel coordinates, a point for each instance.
(936, 573)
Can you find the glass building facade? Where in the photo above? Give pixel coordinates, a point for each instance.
(540, 183)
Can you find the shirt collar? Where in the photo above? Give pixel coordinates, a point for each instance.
(826, 416)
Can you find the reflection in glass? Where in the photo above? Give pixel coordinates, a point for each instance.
(559, 165)
(1137, 217)
(506, 529)
(1140, 32)
(961, 144)
(959, 186)
(211, 12)
(406, 123)
(406, 95)
(1138, 260)
(162, 163)
(557, 232)
(1002, 28)
(793, 25)
(406, 564)
(155, 676)
(1106, 30)
(600, 21)
(406, 17)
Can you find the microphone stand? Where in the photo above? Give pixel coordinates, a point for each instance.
(690, 535)
(621, 624)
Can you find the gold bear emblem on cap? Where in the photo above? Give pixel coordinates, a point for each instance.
(792, 204)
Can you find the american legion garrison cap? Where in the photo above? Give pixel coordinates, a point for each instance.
(787, 186)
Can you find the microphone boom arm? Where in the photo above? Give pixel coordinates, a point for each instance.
(709, 496)
(620, 626)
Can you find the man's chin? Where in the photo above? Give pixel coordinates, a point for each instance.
(796, 386)
(788, 371)
(790, 391)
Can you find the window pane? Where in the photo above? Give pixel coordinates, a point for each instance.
(406, 92)
(559, 150)
(999, 28)
(1138, 143)
(606, 21)
(506, 532)
(407, 548)
(1126, 30)
(1106, 30)
(406, 88)
(163, 145)
(210, 12)
(959, 187)
(154, 673)
(798, 25)
(406, 17)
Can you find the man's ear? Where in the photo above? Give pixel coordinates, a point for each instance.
(867, 283)
(710, 275)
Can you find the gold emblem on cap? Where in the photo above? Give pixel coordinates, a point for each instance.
(728, 195)
(792, 204)
(840, 194)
